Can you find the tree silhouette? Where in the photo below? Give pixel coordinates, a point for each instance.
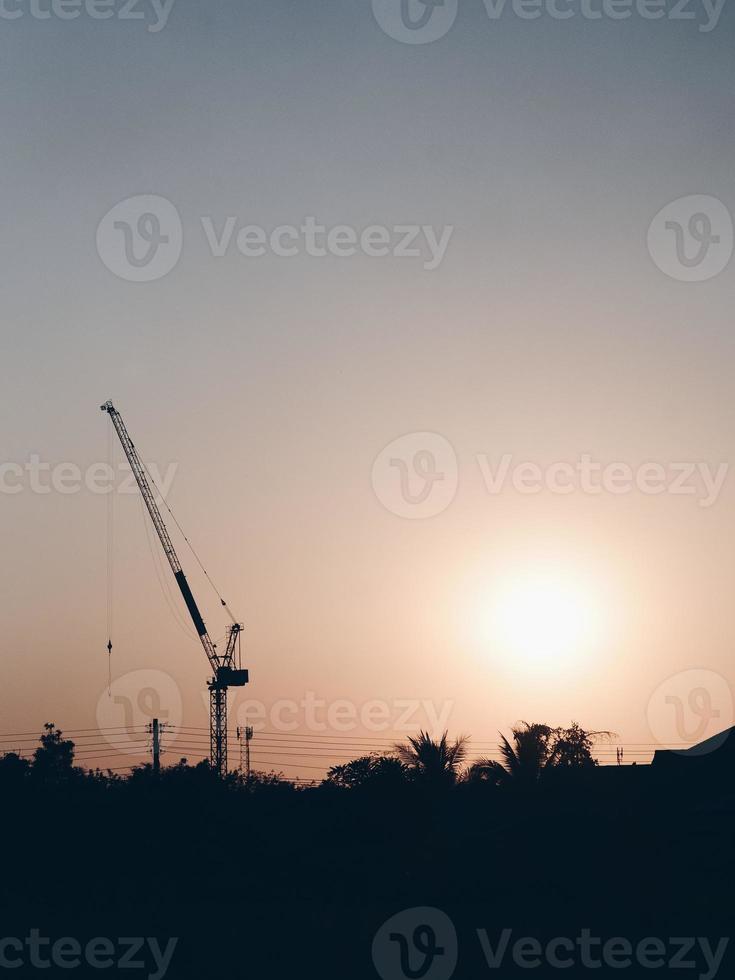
(436, 762)
(53, 762)
(536, 748)
(374, 771)
(573, 747)
(529, 753)
(485, 771)
(13, 770)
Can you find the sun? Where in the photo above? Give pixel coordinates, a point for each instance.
(540, 621)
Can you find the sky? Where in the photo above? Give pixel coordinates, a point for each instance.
(336, 420)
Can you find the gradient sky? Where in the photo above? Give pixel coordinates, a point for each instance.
(547, 332)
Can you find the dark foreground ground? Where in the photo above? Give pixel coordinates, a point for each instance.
(280, 883)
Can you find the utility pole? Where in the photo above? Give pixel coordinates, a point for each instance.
(245, 734)
(248, 736)
(156, 746)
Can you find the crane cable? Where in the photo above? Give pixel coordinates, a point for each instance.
(191, 546)
(110, 556)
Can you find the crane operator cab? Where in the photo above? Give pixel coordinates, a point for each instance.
(231, 677)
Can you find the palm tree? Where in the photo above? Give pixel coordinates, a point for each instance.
(485, 771)
(536, 748)
(372, 771)
(523, 759)
(530, 753)
(436, 761)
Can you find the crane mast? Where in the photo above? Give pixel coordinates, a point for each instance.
(225, 673)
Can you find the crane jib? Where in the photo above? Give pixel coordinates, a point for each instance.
(191, 604)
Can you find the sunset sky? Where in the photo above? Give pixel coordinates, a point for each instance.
(545, 334)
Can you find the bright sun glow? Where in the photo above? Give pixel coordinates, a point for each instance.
(541, 622)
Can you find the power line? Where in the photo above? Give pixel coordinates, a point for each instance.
(73, 731)
(404, 736)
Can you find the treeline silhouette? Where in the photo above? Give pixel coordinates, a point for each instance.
(262, 874)
(532, 752)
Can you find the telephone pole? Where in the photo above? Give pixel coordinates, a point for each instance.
(245, 734)
(248, 736)
(156, 745)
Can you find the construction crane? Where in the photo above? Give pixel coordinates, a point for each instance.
(226, 668)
